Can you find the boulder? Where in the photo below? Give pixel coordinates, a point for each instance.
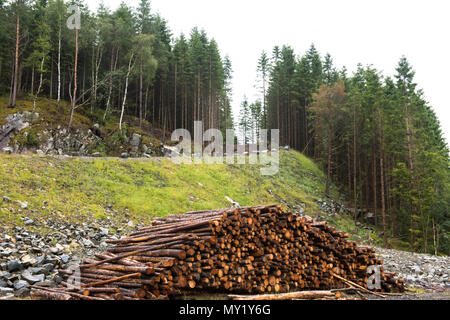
(135, 140)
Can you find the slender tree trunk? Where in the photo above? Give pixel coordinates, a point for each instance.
(74, 96)
(349, 173)
(32, 80)
(40, 84)
(140, 92)
(374, 180)
(355, 198)
(327, 189)
(59, 62)
(411, 170)
(51, 78)
(130, 67)
(16, 59)
(383, 213)
(175, 100)
(112, 68)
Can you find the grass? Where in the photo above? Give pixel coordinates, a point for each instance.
(78, 188)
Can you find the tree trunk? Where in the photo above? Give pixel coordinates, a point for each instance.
(327, 188)
(355, 199)
(374, 181)
(140, 93)
(16, 59)
(383, 214)
(74, 96)
(130, 67)
(59, 63)
(40, 84)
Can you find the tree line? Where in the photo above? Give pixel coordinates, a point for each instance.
(123, 62)
(376, 137)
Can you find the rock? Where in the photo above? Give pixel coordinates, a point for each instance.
(14, 265)
(416, 269)
(145, 155)
(47, 268)
(32, 279)
(24, 204)
(20, 284)
(6, 199)
(7, 150)
(39, 152)
(87, 243)
(22, 292)
(135, 140)
(57, 278)
(36, 270)
(96, 154)
(27, 259)
(50, 260)
(104, 231)
(5, 291)
(29, 221)
(3, 284)
(64, 258)
(45, 283)
(130, 224)
(169, 151)
(124, 155)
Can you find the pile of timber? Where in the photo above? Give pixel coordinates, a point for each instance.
(248, 250)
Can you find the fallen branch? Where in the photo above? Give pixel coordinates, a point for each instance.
(307, 295)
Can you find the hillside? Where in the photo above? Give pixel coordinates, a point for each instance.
(44, 130)
(82, 189)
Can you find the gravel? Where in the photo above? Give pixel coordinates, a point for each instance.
(419, 270)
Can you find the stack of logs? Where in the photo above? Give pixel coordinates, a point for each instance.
(242, 250)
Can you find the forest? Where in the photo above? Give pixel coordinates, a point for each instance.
(376, 137)
(119, 62)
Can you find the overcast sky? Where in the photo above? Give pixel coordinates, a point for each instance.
(370, 32)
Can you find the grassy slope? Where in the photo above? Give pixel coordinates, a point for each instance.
(80, 189)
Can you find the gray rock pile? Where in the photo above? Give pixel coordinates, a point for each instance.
(29, 258)
(419, 270)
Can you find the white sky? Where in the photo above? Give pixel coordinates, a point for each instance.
(376, 32)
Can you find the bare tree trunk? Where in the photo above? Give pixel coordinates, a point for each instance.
(51, 77)
(383, 213)
(411, 170)
(175, 100)
(374, 179)
(140, 93)
(327, 188)
(32, 80)
(74, 96)
(16, 60)
(59, 63)
(114, 58)
(130, 67)
(349, 173)
(40, 84)
(355, 197)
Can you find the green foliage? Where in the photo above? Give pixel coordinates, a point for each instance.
(32, 139)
